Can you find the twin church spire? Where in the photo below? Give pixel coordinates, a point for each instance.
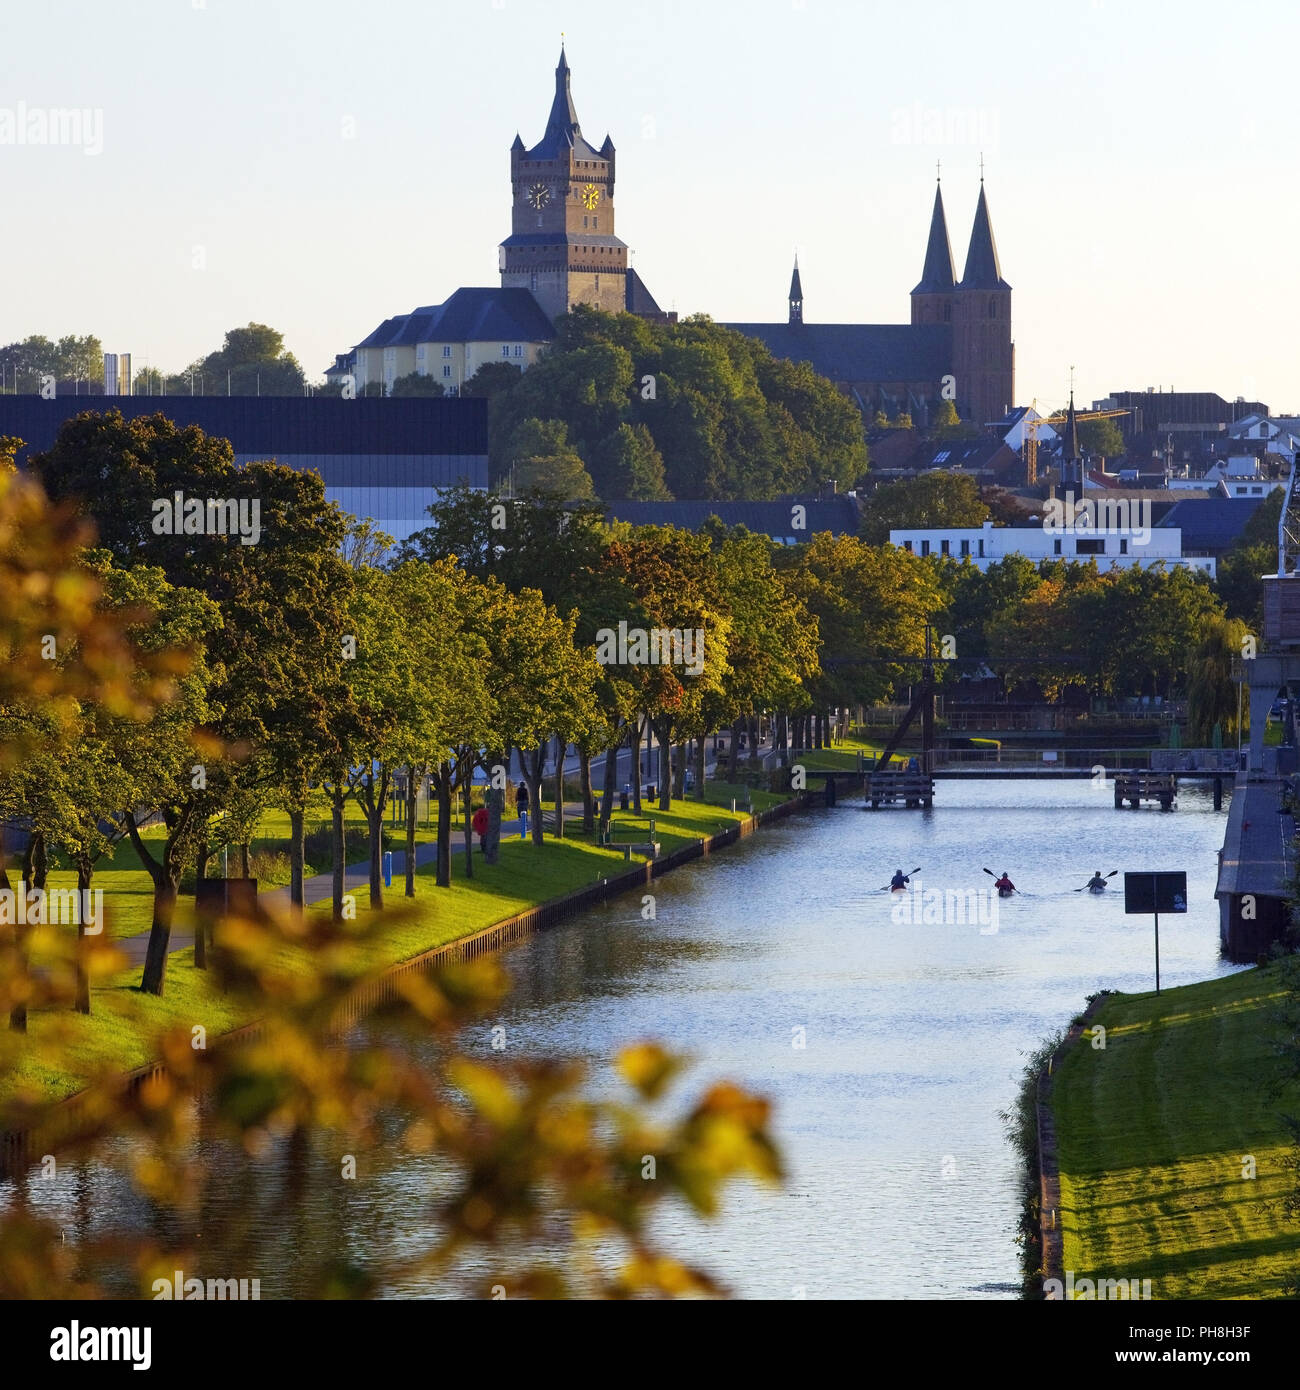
(983, 270)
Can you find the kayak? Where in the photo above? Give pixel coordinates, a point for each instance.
(1096, 888)
(1005, 892)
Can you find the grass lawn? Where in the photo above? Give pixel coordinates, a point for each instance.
(119, 1033)
(1152, 1132)
(844, 756)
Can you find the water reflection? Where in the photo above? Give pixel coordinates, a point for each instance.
(888, 1049)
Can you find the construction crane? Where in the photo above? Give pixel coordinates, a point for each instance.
(1031, 427)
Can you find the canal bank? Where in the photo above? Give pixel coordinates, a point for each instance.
(65, 1119)
(1166, 1154)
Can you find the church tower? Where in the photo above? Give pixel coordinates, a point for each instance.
(562, 245)
(983, 352)
(796, 295)
(932, 299)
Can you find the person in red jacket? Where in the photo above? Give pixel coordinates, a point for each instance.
(480, 827)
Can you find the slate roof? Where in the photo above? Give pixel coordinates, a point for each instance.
(1214, 524)
(563, 134)
(982, 269)
(937, 275)
(837, 514)
(860, 351)
(638, 299)
(469, 316)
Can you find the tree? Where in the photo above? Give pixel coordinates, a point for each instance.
(932, 499)
(1101, 437)
(627, 464)
(252, 361)
(540, 457)
(1211, 690)
(416, 384)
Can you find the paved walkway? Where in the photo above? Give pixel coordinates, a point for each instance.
(356, 877)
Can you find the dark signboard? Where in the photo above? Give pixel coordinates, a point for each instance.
(1148, 893)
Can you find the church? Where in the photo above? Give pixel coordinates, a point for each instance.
(563, 249)
(958, 346)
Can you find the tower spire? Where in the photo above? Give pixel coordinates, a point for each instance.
(796, 294)
(563, 120)
(937, 277)
(982, 269)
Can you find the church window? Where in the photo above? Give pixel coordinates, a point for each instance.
(947, 311)
(532, 283)
(597, 284)
(584, 221)
(993, 308)
(595, 222)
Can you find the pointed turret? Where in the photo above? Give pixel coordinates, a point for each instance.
(982, 269)
(796, 295)
(1070, 439)
(518, 146)
(937, 277)
(563, 120)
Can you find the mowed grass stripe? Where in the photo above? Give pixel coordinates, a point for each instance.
(1152, 1132)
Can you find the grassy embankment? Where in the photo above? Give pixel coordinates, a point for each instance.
(119, 1032)
(1154, 1134)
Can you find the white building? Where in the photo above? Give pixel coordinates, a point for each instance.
(1105, 542)
(1278, 436)
(450, 342)
(1238, 476)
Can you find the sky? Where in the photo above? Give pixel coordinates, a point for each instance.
(321, 166)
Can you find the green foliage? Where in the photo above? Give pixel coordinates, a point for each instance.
(936, 498)
(70, 359)
(416, 384)
(1101, 437)
(715, 409)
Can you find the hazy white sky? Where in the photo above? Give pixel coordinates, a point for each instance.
(320, 166)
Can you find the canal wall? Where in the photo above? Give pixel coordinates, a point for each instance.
(1050, 1233)
(77, 1115)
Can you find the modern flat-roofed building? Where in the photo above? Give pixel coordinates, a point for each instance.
(1113, 547)
(382, 459)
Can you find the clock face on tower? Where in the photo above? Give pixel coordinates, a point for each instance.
(590, 196)
(539, 195)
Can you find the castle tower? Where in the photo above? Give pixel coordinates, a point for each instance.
(562, 245)
(796, 295)
(932, 299)
(983, 351)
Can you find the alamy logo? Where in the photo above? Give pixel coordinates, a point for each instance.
(1102, 1290)
(656, 646)
(77, 1343)
(1105, 516)
(918, 906)
(192, 1290)
(56, 907)
(179, 515)
(53, 125)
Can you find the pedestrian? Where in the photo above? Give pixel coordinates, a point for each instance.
(521, 805)
(480, 825)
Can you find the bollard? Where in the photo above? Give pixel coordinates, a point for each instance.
(523, 825)
(388, 868)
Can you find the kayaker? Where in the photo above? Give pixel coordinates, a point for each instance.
(1096, 882)
(1004, 884)
(899, 880)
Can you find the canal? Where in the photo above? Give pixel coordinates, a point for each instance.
(888, 1048)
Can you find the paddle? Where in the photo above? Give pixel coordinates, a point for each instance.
(916, 870)
(991, 874)
(1112, 874)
